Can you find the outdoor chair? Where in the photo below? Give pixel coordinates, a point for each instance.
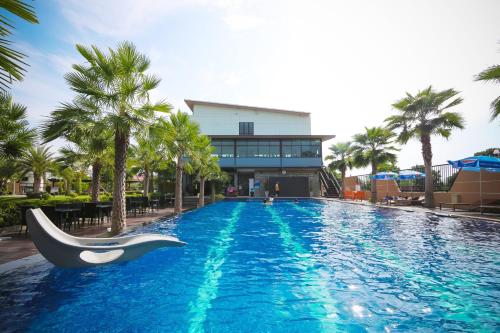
(90, 212)
(65, 250)
(23, 210)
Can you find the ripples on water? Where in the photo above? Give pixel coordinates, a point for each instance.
(307, 267)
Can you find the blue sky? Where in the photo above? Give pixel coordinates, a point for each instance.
(343, 61)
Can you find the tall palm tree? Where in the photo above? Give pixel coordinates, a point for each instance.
(422, 116)
(491, 74)
(15, 135)
(38, 160)
(11, 61)
(341, 159)
(120, 86)
(205, 164)
(180, 137)
(81, 123)
(373, 147)
(149, 155)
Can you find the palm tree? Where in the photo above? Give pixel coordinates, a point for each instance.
(11, 61)
(341, 159)
(373, 147)
(118, 84)
(39, 161)
(15, 135)
(491, 74)
(205, 164)
(81, 123)
(422, 116)
(149, 154)
(180, 138)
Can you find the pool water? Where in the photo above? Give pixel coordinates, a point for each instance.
(312, 266)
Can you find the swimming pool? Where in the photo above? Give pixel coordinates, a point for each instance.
(312, 266)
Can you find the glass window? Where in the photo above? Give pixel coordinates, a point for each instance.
(246, 128)
(223, 148)
(302, 148)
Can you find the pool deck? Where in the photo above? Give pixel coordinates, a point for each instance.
(445, 212)
(15, 245)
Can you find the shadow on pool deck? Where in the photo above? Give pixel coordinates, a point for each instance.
(16, 245)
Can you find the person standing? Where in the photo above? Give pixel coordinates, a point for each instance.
(277, 189)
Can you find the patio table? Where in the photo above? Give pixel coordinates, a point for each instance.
(101, 208)
(66, 212)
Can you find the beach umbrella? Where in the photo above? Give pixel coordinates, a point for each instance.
(386, 176)
(478, 164)
(411, 175)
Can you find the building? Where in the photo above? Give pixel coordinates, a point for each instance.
(258, 147)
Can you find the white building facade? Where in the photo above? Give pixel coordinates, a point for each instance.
(259, 147)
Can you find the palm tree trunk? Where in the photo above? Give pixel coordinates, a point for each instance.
(373, 197)
(145, 189)
(212, 189)
(37, 179)
(342, 178)
(201, 199)
(119, 216)
(66, 186)
(96, 181)
(178, 186)
(429, 181)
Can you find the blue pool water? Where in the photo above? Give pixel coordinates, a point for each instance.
(314, 266)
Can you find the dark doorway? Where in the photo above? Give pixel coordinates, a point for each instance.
(290, 186)
(243, 179)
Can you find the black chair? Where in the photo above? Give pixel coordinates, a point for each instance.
(66, 215)
(90, 212)
(132, 205)
(23, 209)
(144, 202)
(49, 211)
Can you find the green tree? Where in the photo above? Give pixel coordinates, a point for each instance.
(11, 61)
(149, 155)
(120, 86)
(374, 147)
(341, 159)
(488, 152)
(38, 160)
(491, 74)
(205, 164)
(81, 123)
(180, 137)
(422, 116)
(15, 135)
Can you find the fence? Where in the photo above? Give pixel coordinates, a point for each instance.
(443, 176)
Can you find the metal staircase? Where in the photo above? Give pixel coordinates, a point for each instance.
(330, 183)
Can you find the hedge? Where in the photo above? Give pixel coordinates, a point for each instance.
(9, 206)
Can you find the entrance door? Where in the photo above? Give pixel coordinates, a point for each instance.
(243, 183)
(290, 186)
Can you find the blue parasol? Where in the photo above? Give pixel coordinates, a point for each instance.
(410, 174)
(478, 164)
(385, 175)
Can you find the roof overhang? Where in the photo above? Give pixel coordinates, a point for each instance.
(191, 103)
(325, 137)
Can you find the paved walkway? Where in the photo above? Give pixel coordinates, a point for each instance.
(16, 246)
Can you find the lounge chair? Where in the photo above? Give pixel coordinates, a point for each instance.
(65, 250)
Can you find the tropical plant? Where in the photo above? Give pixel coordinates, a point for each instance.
(180, 137)
(205, 164)
(491, 74)
(373, 147)
(422, 116)
(495, 152)
(11, 61)
(118, 84)
(9, 171)
(81, 123)
(38, 160)
(341, 159)
(149, 155)
(15, 135)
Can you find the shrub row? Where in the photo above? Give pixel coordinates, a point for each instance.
(9, 206)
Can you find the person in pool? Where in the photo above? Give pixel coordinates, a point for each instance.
(277, 189)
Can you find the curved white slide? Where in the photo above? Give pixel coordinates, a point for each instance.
(65, 250)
